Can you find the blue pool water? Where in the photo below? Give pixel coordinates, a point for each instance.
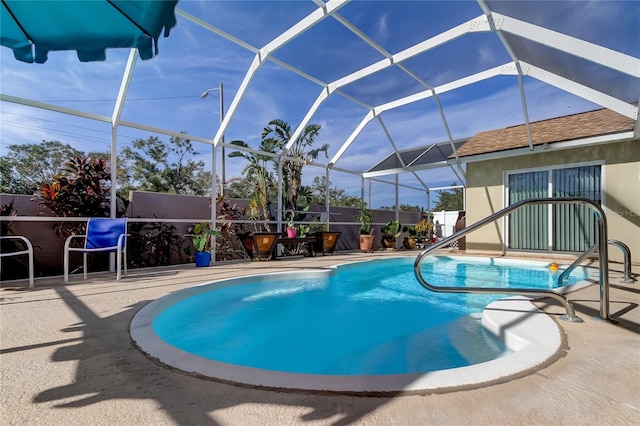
(370, 318)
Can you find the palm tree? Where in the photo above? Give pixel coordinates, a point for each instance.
(276, 136)
(257, 172)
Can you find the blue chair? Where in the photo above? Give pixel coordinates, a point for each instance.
(103, 235)
(28, 250)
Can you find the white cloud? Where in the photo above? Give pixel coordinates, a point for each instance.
(382, 28)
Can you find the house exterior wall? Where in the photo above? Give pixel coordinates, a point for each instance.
(486, 192)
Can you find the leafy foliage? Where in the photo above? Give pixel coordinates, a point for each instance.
(337, 197)
(391, 229)
(153, 244)
(153, 165)
(257, 173)
(364, 217)
(7, 210)
(228, 246)
(275, 138)
(81, 189)
(238, 187)
(450, 200)
(202, 236)
(404, 208)
(27, 166)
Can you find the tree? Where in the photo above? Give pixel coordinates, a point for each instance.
(403, 208)
(450, 200)
(337, 197)
(27, 166)
(155, 166)
(275, 137)
(238, 187)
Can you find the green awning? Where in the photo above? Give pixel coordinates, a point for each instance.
(34, 28)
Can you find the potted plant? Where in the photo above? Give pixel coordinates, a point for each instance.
(410, 241)
(365, 218)
(424, 229)
(291, 229)
(259, 245)
(326, 240)
(201, 238)
(390, 231)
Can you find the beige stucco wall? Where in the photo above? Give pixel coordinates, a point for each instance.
(485, 192)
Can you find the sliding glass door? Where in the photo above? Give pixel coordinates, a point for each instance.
(558, 227)
(529, 226)
(574, 226)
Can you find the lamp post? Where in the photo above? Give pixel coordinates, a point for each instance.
(204, 95)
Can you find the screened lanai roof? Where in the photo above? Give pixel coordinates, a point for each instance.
(414, 159)
(381, 77)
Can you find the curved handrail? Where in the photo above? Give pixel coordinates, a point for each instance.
(627, 261)
(602, 241)
(565, 274)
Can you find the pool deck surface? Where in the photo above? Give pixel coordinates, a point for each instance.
(66, 358)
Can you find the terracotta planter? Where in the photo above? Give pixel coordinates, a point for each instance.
(326, 241)
(366, 242)
(260, 245)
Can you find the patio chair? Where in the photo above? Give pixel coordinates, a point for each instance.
(103, 235)
(28, 250)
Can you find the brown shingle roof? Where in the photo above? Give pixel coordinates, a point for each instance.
(577, 126)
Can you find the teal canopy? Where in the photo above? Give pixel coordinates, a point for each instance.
(34, 28)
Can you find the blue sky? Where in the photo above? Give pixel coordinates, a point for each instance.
(165, 91)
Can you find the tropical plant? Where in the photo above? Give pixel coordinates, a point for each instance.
(391, 229)
(276, 136)
(202, 236)
(257, 171)
(82, 189)
(424, 227)
(364, 217)
(153, 244)
(411, 230)
(228, 246)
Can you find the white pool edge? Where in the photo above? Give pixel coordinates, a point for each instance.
(530, 333)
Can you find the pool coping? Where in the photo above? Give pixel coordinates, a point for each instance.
(533, 336)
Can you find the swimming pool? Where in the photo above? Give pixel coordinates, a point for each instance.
(365, 327)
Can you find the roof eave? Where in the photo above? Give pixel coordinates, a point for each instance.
(553, 146)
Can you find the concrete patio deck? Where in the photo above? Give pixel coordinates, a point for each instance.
(66, 357)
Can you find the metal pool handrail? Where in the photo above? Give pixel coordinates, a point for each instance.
(627, 261)
(565, 274)
(570, 316)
